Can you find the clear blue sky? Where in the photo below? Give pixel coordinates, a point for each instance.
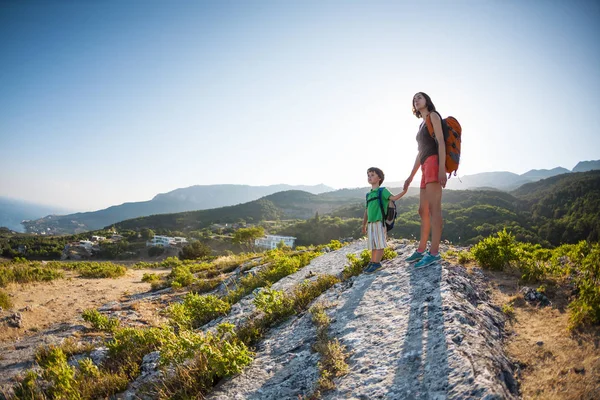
(105, 102)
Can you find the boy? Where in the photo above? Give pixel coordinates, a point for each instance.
(373, 221)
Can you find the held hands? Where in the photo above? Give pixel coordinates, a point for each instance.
(406, 184)
(442, 178)
(364, 229)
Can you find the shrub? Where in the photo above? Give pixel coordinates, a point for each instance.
(25, 271)
(150, 277)
(100, 270)
(27, 387)
(129, 345)
(269, 300)
(335, 245)
(357, 264)
(495, 252)
(196, 310)
(216, 356)
(464, 257)
(156, 251)
(508, 309)
(194, 251)
(5, 302)
(586, 308)
(99, 321)
(60, 374)
(180, 276)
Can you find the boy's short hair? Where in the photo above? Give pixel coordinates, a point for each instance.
(379, 173)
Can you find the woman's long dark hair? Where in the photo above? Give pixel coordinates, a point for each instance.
(430, 106)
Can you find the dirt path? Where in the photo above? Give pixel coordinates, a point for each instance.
(48, 303)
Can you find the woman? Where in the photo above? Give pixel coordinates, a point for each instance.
(433, 179)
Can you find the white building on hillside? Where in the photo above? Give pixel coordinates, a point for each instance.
(167, 241)
(164, 241)
(270, 242)
(180, 241)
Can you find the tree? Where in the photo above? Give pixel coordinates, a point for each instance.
(147, 233)
(195, 250)
(247, 236)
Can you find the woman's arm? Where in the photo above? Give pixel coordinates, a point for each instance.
(436, 121)
(412, 174)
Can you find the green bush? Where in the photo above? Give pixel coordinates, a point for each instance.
(156, 251)
(216, 356)
(196, 310)
(496, 252)
(464, 257)
(586, 308)
(28, 388)
(180, 276)
(129, 345)
(357, 264)
(25, 271)
(269, 300)
(99, 321)
(100, 270)
(194, 251)
(149, 278)
(5, 302)
(60, 374)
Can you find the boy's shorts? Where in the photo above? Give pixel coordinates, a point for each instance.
(430, 170)
(377, 236)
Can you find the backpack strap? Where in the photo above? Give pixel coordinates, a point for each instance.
(381, 205)
(380, 202)
(430, 124)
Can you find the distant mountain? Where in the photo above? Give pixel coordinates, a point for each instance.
(510, 181)
(537, 174)
(498, 180)
(584, 166)
(13, 211)
(200, 197)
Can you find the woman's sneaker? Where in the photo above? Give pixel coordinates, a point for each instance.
(428, 259)
(416, 256)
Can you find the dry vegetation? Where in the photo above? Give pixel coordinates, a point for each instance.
(553, 361)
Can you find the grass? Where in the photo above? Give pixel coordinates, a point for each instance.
(333, 354)
(23, 271)
(5, 302)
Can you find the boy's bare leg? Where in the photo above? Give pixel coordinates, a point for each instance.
(377, 255)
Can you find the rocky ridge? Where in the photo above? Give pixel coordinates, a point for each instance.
(428, 333)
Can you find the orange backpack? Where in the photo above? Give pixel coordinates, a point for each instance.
(452, 137)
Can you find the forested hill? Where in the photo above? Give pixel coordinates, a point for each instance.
(254, 211)
(566, 208)
(560, 209)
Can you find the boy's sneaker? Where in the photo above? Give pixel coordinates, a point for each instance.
(416, 256)
(373, 267)
(428, 259)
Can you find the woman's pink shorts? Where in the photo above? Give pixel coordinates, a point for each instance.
(430, 170)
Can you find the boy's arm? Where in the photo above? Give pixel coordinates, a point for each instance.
(398, 196)
(364, 224)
